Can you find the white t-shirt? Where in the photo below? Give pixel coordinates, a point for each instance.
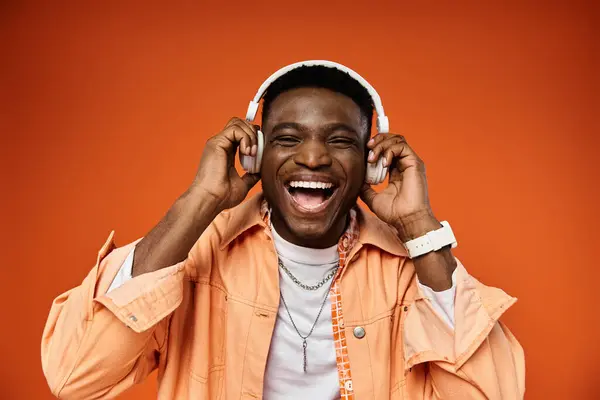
(284, 375)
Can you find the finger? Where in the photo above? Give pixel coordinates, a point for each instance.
(232, 121)
(395, 154)
(245, 124)
(367, 194)
(252, 132)
(245, 143)
(231, 138)
(398, 150)
(382, 146)
(248, 139)
(246, 148)
(376, 140)
(403, 158)
(255, 140)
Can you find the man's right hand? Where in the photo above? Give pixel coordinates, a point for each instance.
(216, 187)
(217, 176)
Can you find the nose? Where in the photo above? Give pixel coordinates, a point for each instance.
(313, 154)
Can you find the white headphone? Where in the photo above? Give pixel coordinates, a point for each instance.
(375, 172)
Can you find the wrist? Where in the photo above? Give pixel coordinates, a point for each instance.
(202, 202)
(416, 225)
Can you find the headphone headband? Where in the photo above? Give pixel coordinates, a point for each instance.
(383, 124)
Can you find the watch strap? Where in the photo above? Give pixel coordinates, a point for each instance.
(431, 241)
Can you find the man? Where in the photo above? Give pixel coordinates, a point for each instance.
(296, 293)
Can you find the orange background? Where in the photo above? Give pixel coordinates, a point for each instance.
(105, 110)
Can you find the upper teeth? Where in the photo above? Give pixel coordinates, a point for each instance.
(311, 185)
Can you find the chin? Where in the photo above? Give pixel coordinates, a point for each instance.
(311, 231)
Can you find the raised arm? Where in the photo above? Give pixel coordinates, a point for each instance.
(97, 344)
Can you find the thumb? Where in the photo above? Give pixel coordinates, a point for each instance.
(250, 180)
(367, 194)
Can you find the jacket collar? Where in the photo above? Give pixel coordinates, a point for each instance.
(251, 213)
(241, 218)
(375, 232)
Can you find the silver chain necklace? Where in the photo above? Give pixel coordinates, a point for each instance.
(304, 344)
(308, 287)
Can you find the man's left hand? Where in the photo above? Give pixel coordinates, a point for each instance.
(404, 203)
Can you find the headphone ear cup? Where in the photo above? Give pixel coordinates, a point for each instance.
(260, 138)
(375, 172)
(252, 164)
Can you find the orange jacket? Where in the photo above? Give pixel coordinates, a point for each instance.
(206, 323)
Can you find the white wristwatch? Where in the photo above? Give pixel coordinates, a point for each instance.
(431, 241)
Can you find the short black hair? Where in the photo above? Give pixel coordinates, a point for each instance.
(319, 76)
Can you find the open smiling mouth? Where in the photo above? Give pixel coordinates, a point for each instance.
(309, 196)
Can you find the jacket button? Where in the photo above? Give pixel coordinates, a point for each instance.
(359, 332)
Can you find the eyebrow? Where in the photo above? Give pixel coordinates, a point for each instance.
(288, 125)
(328, 128)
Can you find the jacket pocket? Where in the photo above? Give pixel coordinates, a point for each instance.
(210, 387)
(208, 331)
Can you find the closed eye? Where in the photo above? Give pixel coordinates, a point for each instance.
(286, 141)
(342, 142)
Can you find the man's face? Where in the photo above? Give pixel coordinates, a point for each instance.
(313, 164)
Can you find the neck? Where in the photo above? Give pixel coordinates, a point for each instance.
(322, 241)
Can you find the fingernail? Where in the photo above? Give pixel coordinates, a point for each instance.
(371, 141)
(384, 162)
(254, 149)
(371, 155)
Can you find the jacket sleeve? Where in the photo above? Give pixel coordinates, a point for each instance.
(479, 359)
(96, 345)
